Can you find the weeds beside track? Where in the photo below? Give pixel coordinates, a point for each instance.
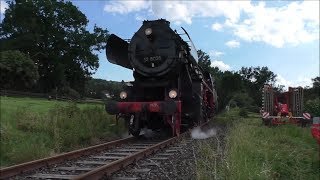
(33, 128)
(109, 157)
(250, 150)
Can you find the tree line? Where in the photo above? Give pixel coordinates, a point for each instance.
(46, 47)
(243, 88)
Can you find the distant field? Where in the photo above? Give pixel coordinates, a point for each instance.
(32, 128)
(9, 105)
(251, 150)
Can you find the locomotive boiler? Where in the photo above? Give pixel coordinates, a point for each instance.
(170, 92)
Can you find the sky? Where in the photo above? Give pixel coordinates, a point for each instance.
(283, 35)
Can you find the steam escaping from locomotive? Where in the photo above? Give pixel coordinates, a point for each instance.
(171, 92)
(198, 133)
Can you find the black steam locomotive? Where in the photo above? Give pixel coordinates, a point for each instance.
(170, 92)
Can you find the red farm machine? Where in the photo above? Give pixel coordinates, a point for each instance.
(283, 108)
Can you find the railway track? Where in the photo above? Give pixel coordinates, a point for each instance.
(93, 162)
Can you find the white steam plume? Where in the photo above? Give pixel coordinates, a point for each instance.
(198, 133)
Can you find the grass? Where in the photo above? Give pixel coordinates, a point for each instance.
(35, 128)
(254, 151)
(9, 106)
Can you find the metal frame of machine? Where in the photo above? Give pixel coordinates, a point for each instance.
(283, 108)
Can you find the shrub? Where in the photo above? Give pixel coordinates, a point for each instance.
(242, 99)
(18, 71)
(313, 107)
(69, 92)
(65, 127)
(243, 112)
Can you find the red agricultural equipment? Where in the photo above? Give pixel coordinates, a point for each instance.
(283, 108)
(315, 129)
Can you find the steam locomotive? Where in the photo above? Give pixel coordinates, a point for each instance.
(170, 92)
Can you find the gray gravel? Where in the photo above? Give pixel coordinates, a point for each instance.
(175, 162)
(180, 165)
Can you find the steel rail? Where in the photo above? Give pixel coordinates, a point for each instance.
(97, 173)
(108, 169)
(32, 165)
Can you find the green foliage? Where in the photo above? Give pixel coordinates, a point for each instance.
(257, 152)
(208, 159)
(254, 79)
(316, 82)
(258, 75)
(35, 128)
(313, 107)
(54, 34)
(228, 84)
(204, 60)
(242, 99)
(311, 93)
(243, 112)
(228, 118)
(69, 92)
(97, 88)
(18, 71)
(253, 151)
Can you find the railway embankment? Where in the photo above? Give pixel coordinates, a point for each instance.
(33, 128)
(246, 149)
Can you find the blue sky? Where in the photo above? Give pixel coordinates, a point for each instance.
(283, 35)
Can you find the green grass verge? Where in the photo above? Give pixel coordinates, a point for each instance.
(35, 128)
(254, 151)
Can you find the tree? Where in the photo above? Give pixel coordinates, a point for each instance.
(316, 82)
(53, 33)
(18, 71)
(97, 88)
(228, 84)
(254, 79)
(313, 92)
(259, 76)
(204, 60)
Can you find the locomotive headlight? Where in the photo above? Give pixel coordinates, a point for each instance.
(173, 94)
(148, 31)
(123, 95)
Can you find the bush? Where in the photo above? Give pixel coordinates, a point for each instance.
(65, 127)
(18, 71)
(313, 107)
(70, 93)
(243, 112)
(242, 99)
(253, 108)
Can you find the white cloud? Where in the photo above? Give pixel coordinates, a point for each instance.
(280, 80)
(291, 24)
(176, 11)
(124, 7)
(233, 44)
(301, 81)
(221, 65)
(3, 7)
(215, 53)
(139, 18)
(216, 27)
(180, 11)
